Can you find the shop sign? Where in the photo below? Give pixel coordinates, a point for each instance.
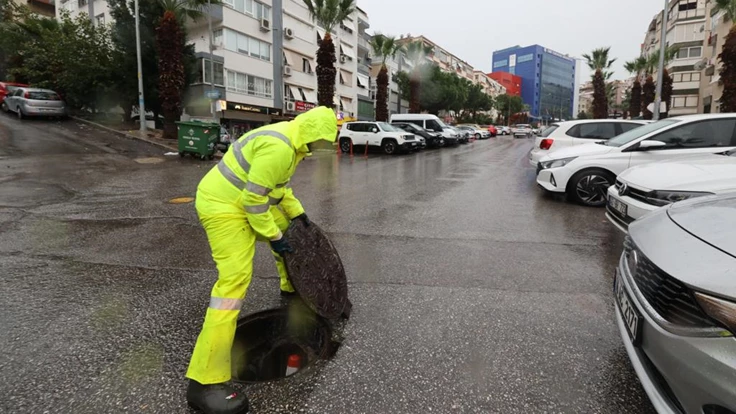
(301, 106)
(234, 106)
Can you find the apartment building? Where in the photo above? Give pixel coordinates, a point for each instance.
(263, 62)
(490, 87)
(686, 30)
(717, 27)
(97, 9)
(40, 7)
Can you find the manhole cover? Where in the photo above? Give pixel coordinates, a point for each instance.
(149, 160)
(316, 271)
(276, 343)
(181, 200)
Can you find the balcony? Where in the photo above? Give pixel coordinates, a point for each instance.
(677, 16)
(363, 43)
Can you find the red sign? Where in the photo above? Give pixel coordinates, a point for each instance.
(301, 106)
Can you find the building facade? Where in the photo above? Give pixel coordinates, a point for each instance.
(97, 9)
(45, 8)
(511, 83)
(717, 27)
(548, 79)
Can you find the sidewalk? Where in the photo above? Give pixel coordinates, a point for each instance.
(151, 137)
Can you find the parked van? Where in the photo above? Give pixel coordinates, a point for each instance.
(431, 123)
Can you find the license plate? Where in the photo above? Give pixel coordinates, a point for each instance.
(618, 206)
(414, 144)
(629, 314)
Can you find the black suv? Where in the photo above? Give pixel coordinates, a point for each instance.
(433, 141)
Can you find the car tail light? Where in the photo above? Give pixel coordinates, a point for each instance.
(26, 95)
(546, 143)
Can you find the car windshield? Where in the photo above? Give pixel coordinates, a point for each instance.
(442, 124)
(639, 132)
(388, 127)
(12, 88)
(43, 95)
(522, 126)
(550, 129)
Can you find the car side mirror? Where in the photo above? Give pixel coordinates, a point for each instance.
(650, 145)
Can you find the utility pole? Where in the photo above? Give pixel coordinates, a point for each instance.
(212, 60)
(141, 103)
(660, 72)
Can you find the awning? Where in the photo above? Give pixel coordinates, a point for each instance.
(363, 81)
(311, 95)
(292, 58)
(347, 51)
(345, 105)
(295, 91)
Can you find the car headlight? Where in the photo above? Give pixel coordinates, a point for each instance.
(719, 309)
(663, 198)
(556, 163)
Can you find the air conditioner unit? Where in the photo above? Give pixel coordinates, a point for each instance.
(343, 58)
(287, 70)
(290, 106)
(265, 25)
(288, 33)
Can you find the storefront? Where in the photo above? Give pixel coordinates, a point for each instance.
(239, 118)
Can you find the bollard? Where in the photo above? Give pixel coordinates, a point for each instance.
(366, 150)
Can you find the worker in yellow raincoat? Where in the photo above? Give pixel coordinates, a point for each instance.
(244, 198)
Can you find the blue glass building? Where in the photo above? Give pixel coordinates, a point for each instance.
(548, 79)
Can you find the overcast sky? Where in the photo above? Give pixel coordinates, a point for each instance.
(473, 29)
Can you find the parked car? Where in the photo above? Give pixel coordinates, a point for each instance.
(492, 130)
(503, 130)
(584, 172)
(476, 131)
(675, 300)
(462, 135)
(522, 130)
(569, 133)
(643, 189)
(376, 134)
(431, 123)
(433, 139)
(7, 88)
(26, 102)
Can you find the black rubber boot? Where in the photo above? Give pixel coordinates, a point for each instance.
(216, 398)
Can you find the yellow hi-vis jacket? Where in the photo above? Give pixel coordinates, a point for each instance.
(260, 164)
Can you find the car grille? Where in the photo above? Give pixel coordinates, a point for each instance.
(669, 297)
(632, 192)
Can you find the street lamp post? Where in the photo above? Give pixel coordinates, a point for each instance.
(212, 60)
(141, 103)
(660, 72)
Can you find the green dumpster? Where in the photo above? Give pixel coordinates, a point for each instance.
(198, 138)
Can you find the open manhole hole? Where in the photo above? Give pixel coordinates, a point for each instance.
(276, 343)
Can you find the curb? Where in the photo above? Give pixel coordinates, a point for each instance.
(125, 134)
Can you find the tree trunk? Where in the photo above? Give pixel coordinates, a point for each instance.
(667, 88)
(414, 90)
(600, 98)
(648, 91)
(728, 73)
(635, 100)
(326, 72)
(170, 42)
(382, 95)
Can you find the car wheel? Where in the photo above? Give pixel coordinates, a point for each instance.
(477, 136)
(4, 106)
(389, 146)
(345, 145)
(441, 143)
(590, 187)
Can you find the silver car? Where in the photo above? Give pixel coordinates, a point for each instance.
(675, 299)
(27, 102)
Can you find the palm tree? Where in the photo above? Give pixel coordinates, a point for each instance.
(416, 51)
(170, 42)
(599, 62)
(728, 57)
(385, 47)
(328, 14)
(635, 66)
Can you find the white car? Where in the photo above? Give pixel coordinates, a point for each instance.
(584, 172)
(475, 131)
(567, 134)
(522, 130)
(645, 188)
(503, 130)
(376, 134)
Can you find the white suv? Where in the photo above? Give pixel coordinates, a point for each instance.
(569, 133)
(376, 134)
(584, 172)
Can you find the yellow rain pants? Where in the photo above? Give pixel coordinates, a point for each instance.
(243, 199)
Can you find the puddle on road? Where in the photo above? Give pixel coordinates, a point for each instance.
(273, 344)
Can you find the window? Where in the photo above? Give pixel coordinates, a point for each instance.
(690, 52)
(626, 127)
(685, 5)
(217, 36)
(306, 66)
(219, 72)
(241, 43)
(500, 63)
(81, 3)
(712, 133)
(249, 84)
(100, 19)
(250, 8)
(597, 130)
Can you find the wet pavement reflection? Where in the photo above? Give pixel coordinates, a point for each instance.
(472, 291)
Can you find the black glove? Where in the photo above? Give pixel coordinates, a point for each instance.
(303, 217)
(281, 246)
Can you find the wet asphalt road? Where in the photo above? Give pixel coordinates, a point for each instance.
(472, 292)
